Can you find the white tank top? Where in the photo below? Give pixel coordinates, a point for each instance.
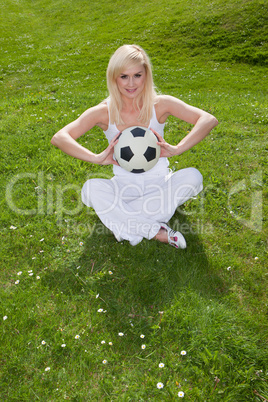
(161, 167)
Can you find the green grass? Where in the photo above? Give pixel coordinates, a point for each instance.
(209, 300)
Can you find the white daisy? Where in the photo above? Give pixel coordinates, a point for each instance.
(160, 385)
(161, 365)
(181, 394)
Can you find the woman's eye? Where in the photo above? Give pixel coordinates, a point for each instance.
(137, 75)
(123, 77)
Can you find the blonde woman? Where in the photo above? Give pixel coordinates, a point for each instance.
(136, 206)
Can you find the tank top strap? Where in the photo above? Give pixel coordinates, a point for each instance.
(112, 130)
(154, 123)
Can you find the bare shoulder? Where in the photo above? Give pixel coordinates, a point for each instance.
(96, 116)
(164, 106)
(168, 105)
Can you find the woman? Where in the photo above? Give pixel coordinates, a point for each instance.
(136, 206)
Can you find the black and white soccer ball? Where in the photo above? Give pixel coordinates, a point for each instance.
(137, 150)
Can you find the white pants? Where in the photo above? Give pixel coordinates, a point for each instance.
(134, 209)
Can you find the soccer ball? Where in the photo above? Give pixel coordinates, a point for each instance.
(137, 150)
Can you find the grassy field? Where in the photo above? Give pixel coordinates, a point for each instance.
(85, 318)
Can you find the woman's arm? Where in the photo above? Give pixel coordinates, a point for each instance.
(203, 123)
(65, 139)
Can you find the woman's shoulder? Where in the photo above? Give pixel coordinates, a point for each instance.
(163, 107)
(163, 100)
(100, 114)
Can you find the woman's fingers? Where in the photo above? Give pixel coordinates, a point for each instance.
(159, 137)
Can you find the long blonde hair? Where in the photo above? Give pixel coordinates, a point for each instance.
(124, 57)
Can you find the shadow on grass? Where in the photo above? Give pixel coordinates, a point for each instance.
(145, 279)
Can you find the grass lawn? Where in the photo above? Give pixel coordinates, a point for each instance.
(85, 318)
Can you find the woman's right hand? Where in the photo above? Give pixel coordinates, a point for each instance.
(106, 156)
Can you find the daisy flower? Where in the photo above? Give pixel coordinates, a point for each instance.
(142, 336)
(19, 273)
(63, 345)
(43, 342)
(102, 342)
(100, 310)
(77, 336)
(183, 352)
(47, 369)
(161, 365)
(5, 317)
(110, 272)
(110, 343)
(143, 346)
(104, 361)
(181, 394)
(17, 282)
(160, 385)
(120, 334)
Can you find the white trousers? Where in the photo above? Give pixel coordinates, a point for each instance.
(134, 209)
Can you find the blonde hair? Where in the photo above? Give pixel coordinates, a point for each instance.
(124, 57)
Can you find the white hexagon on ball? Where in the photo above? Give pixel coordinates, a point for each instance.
(137, 150)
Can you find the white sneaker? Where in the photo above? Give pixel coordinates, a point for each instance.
(175, 239)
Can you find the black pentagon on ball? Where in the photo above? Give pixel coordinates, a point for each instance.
(150, 154)
(137, 171)
(138, 132)
(126, 153)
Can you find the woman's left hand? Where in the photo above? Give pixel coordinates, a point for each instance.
(167, 150)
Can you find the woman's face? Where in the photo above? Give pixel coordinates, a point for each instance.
(131, 81)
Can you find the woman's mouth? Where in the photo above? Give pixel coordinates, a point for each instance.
(131, 91)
